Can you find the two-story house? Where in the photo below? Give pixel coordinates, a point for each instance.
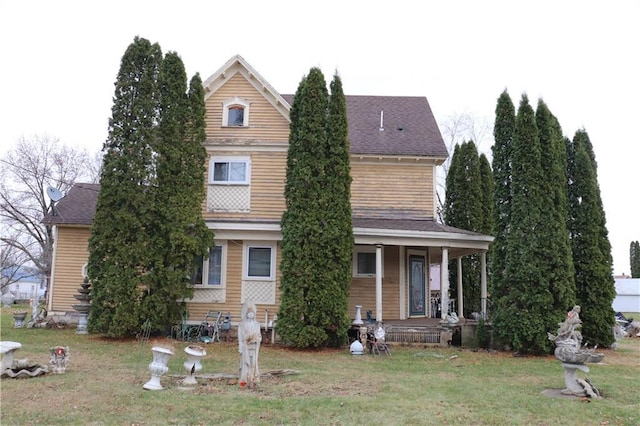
(395, 147)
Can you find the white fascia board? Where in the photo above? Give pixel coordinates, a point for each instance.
(252, 146)
(418, 238)
(245, 231)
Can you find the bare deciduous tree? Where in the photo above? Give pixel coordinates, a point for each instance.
(27, 169)
(458, 128)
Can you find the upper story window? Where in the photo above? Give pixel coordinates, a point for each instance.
(235, 112)
(230, 170)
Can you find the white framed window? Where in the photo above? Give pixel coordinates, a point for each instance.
(210, 271)
(259, 261)
(364, 261)
(230, 170)
(235, 112)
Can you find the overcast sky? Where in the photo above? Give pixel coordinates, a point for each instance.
(60, 60)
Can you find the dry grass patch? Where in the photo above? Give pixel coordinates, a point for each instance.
(416, 385)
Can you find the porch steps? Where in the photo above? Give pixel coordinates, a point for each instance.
(435, 336)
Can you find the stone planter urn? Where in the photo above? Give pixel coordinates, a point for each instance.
(358, 320)
(158, 367)
(7, 299)
(7, 351)
(18, 318)
(192, 365)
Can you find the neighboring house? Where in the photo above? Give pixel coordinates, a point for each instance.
(395, 147)
(24, 283)
(627, 295)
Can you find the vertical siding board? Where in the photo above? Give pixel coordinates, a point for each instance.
(72, 252)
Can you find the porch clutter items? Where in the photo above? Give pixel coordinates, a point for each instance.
(573, 356)
(356, 348)
(249, 338)
(358, 319)
(158, 367)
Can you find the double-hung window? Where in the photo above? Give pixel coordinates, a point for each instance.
(230, 170)
(208, 270)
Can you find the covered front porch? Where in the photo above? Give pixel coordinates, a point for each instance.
(426, 332)
(394, 282)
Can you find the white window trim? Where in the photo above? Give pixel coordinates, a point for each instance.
(245, 260)
(365, 249)
(247, 175)
(223, 269)
(233, 102)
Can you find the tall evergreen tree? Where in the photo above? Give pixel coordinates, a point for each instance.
(503, 130)
(337, 235)
(148, 226)
(521, 313)
(557, 267)
(300, 323)
(634, 259)
(591, 249)
(178, 228)
(464, 209)
(119, 240)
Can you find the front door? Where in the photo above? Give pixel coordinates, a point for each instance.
(416, 286)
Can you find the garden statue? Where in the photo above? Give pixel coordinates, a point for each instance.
(249, 338)
(59, 358)
(34, 308)
(573, 356)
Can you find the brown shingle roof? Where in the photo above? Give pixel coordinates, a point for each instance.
(75, 208)
(421, 225)
(408, 126)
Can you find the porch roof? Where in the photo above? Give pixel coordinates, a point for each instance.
(410, 233)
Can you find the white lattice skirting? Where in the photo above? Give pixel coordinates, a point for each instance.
(209, 295)
(229, 198)
(262, 292)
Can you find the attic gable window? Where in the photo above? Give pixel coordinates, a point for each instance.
(235, 113)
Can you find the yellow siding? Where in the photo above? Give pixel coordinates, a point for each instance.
(403, 187)
(363, 290)
(71, 255)
(268, 173)
(233, 303)
(265, 122)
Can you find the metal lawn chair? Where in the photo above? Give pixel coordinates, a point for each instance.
(209, 329)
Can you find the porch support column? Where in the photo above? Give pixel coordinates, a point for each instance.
(460, 298)
(444, 283)
(378, 282)
(483, 284)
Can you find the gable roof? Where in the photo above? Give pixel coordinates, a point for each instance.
(378, 125)
(236, 65)
(392, 125)
(77, 207)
